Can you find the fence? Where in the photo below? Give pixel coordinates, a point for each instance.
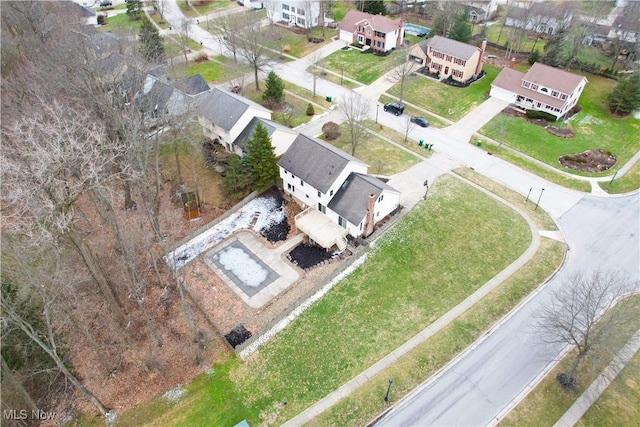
(358, 252)
(207, 226)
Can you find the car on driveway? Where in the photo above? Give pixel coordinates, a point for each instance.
(394, 108)
(420, 121)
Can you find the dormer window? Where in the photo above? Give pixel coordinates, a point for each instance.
(534, 87)
(525, 84)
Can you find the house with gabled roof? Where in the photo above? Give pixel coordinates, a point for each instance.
(539, 17)
(542, 88)
(449, 58)
(281, 136)
(380, 33)
(333, 188)
(224, 115)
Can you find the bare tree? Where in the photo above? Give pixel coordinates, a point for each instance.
(252, 47)
(403, 69)
(315, 68)
(228, 29)
(43, 180)
(582, 314)
(160, 6)
(355, 110)
(43, 289)
(184, 31)
(272, 7)
(407, 126)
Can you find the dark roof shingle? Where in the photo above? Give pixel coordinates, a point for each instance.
(449, 47)
(350, 202)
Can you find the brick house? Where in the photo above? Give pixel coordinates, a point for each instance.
(449, 57)
(376, 31)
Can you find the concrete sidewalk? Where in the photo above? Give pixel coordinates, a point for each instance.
(590, 395)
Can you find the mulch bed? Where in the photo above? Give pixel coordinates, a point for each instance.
(307, 256)
(589, 161)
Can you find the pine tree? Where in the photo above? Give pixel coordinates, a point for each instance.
(461, 30)
(261, 158)
(374, 7)
(134, 9)
(151, 47)
(273, 94)
(235, 180)
(625, 97)
(553, 49)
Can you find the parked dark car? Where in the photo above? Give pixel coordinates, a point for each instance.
(106, 3)
(420, 121)
(394, 108)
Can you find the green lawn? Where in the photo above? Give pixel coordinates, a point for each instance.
(534, 168)
(297, 45)
(548, 401)
(291, 118)
(497, 34)
(362, 67)
(213, 6)
(213, 71)
(623, 184)
(437, 97)
(121, 24)
(618, 405)
(418, 271)
(398, 137)
(594, 128)
(383, 158)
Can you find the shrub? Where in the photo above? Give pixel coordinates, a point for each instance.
(331, 131)
(201, 56)
(310, 110)
(535, 114)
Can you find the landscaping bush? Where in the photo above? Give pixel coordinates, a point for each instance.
(310, 110)
(331, 131)
(201, 56)
(535, 114)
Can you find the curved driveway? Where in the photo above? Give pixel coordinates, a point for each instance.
(482, 383)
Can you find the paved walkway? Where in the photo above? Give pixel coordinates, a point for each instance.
(590, 395)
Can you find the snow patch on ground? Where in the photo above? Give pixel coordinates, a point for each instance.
(174, 394)
(301, 308)
(268, 213)
(245, 268)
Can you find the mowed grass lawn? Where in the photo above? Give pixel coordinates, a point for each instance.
(447, 101)
(382, 157)
(215, 71)
(594, 128)
(363, 67)
(433, 258)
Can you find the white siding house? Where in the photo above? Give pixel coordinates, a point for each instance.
(300, 13)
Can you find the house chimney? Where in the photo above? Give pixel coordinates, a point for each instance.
(512, 63)
(368, 225)
(483, 48)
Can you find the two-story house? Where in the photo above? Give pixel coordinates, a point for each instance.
(481, 10)
(542, 88)
(224, 115)
(300, 13)
(539, 17)
(281, 136)
(449, 57)
(376, 31)
(333, 187)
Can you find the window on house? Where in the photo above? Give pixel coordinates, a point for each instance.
(534, 87)
(449, 58)
(331, 193)
(525, 84)
(285, 15)
(544, 89)
(361, 29)
(322, 208)
(300, 11)
(377, 214)
(380, 198)
(342, 222)
(285, 7)
(301, 21)
(563, 96)
(554, 93)
(368, 32)
(291, 188)
(301, 183)
(463, 63)
(319, 193)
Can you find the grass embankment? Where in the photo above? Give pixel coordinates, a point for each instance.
(398, 138)
(437, 97)
(549, 401)
(430, 261)
(594, 128)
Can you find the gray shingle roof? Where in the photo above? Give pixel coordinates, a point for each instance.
(315, 162)
(247, 133)
(449, 47)
(350, 202)
(224, 108)
(193, 85)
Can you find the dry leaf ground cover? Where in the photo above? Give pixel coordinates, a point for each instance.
(439, 253)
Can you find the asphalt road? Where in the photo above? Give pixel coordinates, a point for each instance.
(474, 389)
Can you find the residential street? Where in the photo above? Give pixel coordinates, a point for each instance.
(600, 231)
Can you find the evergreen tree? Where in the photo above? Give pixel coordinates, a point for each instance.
(534, 57)
(625, 97)
(151, 47)
(273, 94)
(374, 7)
(553, 50)
(460, 30)
(134, 9)
(261, 158)
(235, 180)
